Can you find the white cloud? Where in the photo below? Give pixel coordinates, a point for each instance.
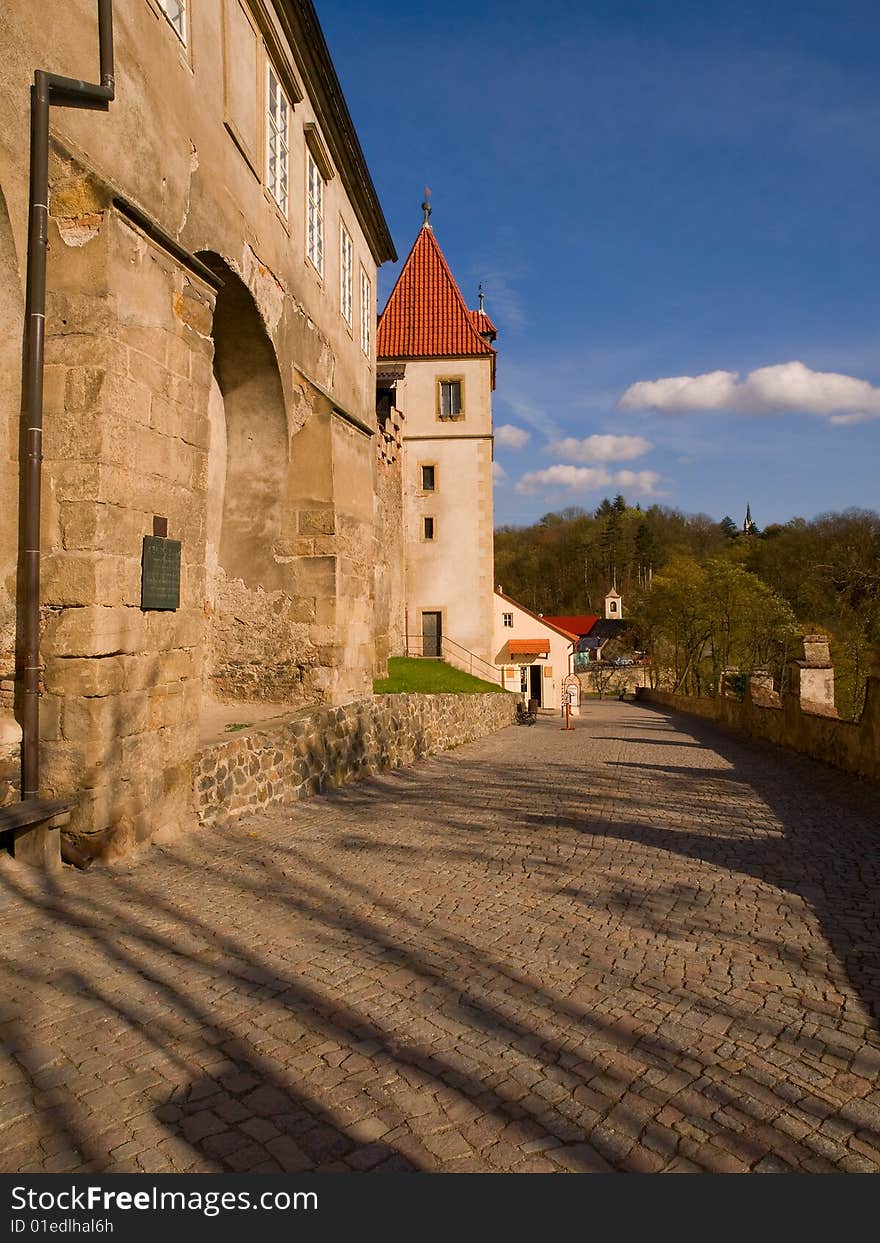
(511, 437)
(499, 474)
(600, 448)
(581, 479)
(785, 387)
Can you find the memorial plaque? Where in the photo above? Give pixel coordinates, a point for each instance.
(160, 573)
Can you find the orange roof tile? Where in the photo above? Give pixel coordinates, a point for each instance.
(483, 324)
(528, 647)
(426, 315)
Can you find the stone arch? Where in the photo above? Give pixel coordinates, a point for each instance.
(251, 440)
(254, 653)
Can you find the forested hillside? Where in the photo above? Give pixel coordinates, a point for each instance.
(703, 596)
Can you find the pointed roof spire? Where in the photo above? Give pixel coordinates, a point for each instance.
(426, 315)
(426, 208)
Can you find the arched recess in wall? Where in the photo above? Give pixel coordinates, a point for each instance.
(248, 586)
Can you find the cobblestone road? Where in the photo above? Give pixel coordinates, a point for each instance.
(640, 946)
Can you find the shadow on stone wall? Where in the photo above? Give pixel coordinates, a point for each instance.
(329, 747)
(783, 721)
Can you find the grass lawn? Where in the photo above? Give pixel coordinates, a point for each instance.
(407, 675)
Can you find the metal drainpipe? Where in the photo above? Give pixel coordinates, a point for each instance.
(48, 89)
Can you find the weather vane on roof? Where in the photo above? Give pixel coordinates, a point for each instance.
(426, 206)
(480, 294)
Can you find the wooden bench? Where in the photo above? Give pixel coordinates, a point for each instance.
(34, 825)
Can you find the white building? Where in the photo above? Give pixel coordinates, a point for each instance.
(441, 357)
(532, 654)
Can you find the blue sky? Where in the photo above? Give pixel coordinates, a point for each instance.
(647, 190)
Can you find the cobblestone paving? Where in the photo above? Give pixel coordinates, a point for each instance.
(639, 946)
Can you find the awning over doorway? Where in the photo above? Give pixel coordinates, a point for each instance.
(529, 647)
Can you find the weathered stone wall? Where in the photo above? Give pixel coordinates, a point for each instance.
(328, 747)
(854, 747)
(272, 498)
(389, 604)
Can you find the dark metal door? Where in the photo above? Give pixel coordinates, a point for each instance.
(432, 634)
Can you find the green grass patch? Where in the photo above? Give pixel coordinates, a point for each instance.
(410, 676)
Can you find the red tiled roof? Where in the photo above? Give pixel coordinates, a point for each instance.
(426, 316)
(575, 625)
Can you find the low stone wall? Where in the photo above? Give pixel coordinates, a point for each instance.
(853, 746)
(327, 747)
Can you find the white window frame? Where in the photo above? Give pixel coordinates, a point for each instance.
(314, 214)
(507, 620)
(346, 274)
(178, 24)
(366, 312)
(278, 112)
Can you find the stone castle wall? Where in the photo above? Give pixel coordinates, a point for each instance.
(326, 747)
(783, 722)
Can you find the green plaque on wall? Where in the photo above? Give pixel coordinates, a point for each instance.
(160, 573)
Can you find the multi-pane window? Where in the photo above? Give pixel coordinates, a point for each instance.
(429, 478)
(346, 273)
(428, 528)
(314, 214)
(277, 140)
(450, 399)
(366, 314)
(507, 619)
(175, 11)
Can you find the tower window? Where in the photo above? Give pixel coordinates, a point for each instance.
(507, 619)
(429, 478)
(450, 399)
(612, 607)
(428, 528)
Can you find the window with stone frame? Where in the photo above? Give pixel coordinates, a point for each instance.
(366, 313)
(429, 478)
(428, 528)
(450, 399)
(277, 140)
(175, 12)
(314, 214)
(346, 274)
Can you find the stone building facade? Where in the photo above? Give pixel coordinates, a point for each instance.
(437, 361)
(233, 398)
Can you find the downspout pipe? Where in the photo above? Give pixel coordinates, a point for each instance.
(48, 89)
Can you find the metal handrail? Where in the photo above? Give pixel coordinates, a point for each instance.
(488, 671)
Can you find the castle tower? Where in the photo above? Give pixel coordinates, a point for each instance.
(445, 353)
(613, 606)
